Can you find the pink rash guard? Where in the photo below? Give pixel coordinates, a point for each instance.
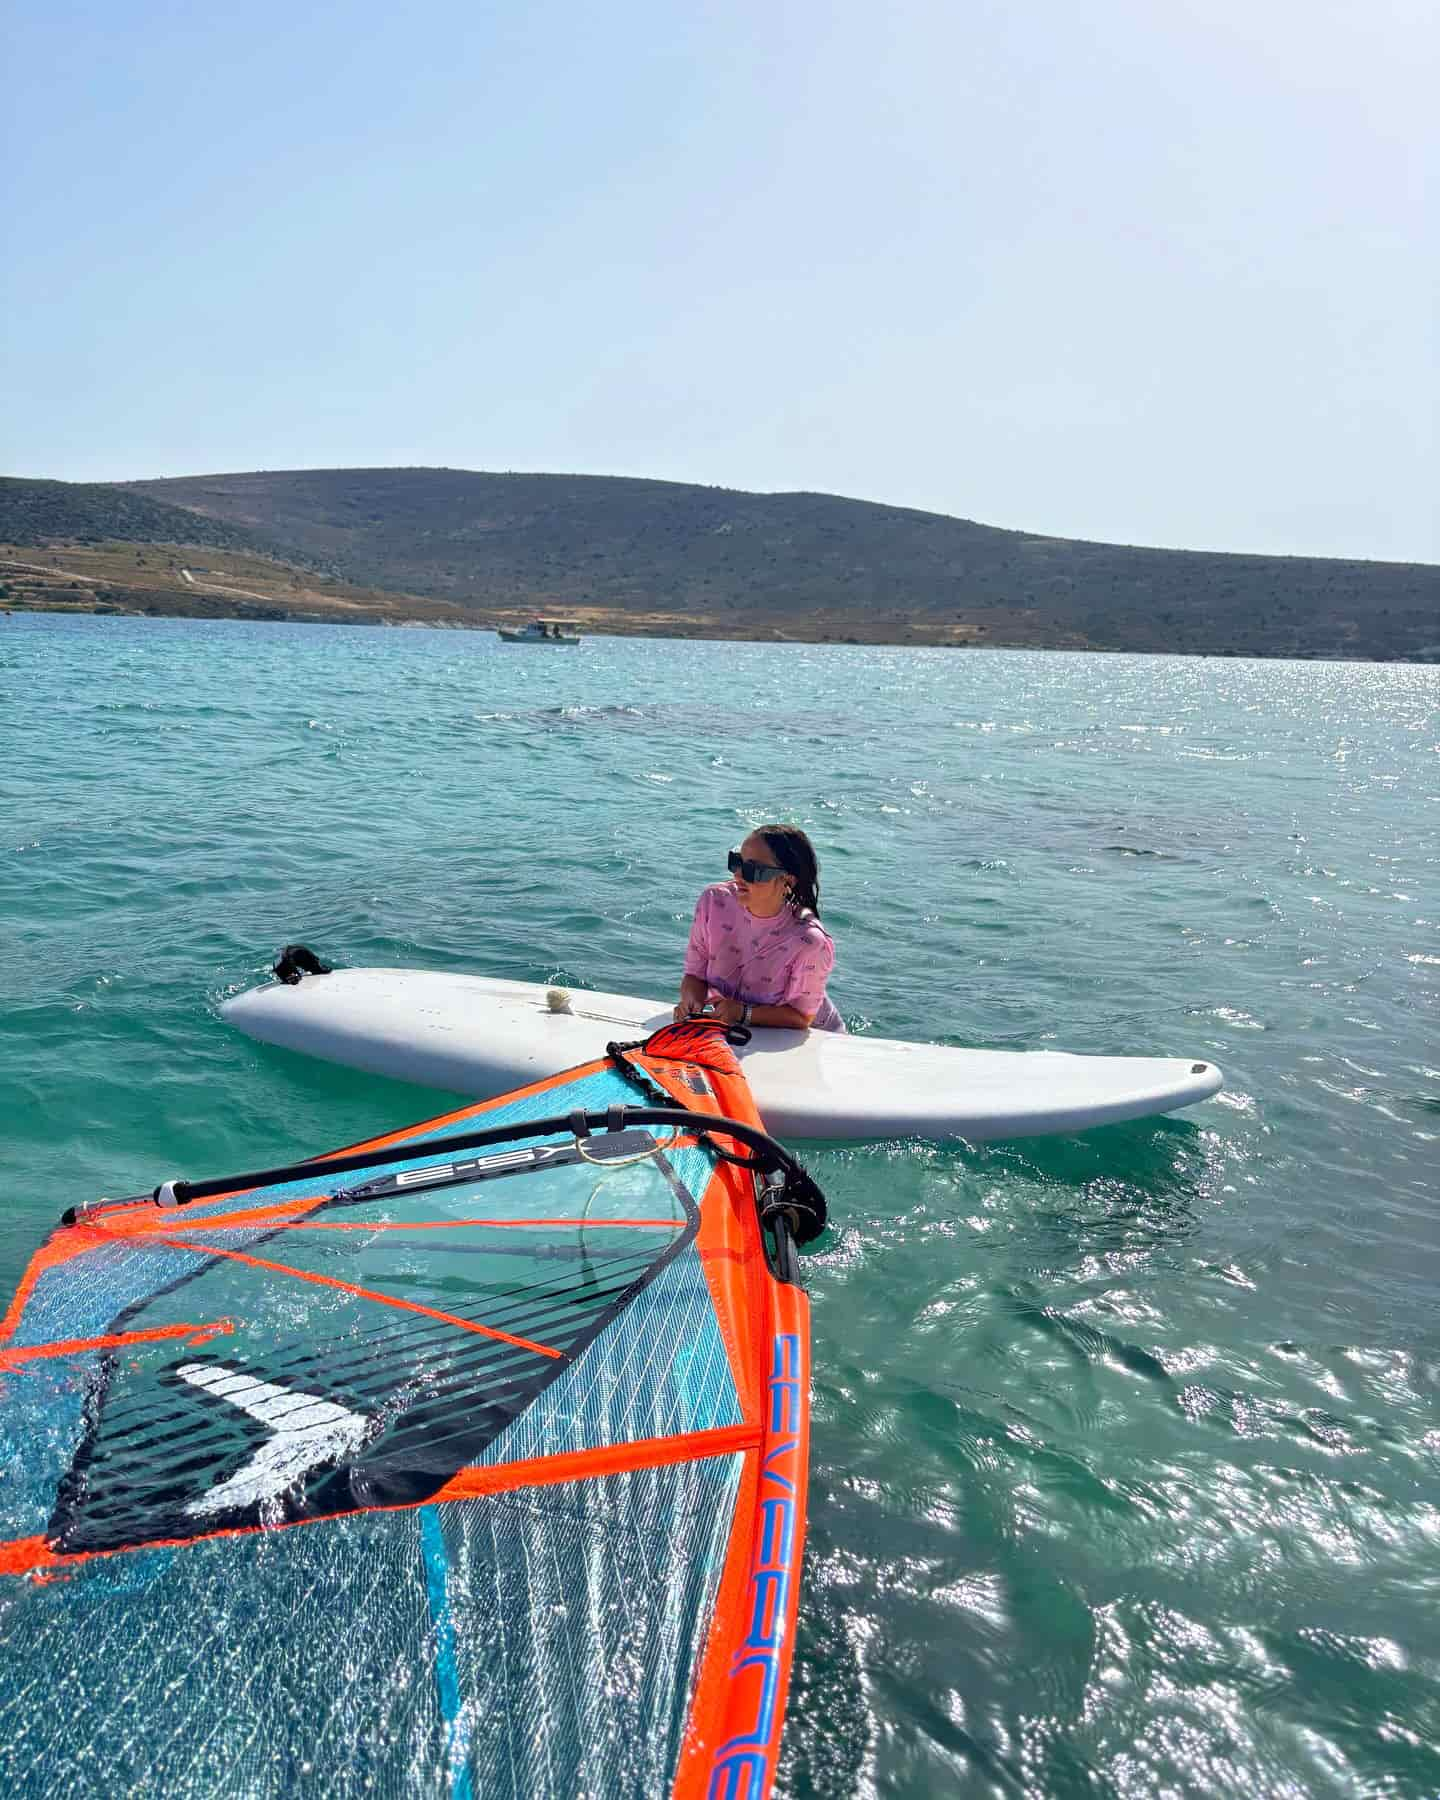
(782, 961)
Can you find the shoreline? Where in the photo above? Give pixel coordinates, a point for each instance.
(128, 579)
(692, 632)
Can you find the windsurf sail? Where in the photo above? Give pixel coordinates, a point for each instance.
(470, 1460)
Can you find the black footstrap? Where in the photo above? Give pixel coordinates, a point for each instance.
(297, 960)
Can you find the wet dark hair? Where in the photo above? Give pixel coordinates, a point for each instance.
(795, 854)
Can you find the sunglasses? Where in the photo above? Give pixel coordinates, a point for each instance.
(751, 871)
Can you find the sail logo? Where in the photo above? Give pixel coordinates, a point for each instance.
(307, 1432)
(481, 1165)
(742, 1765)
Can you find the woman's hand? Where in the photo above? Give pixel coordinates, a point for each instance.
(693, 995)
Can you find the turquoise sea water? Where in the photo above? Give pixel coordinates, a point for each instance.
(1126, 1446)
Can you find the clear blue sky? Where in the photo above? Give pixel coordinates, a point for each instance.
(1151, 271)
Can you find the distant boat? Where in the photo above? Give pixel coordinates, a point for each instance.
(542, 631)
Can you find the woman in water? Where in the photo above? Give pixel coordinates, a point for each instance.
(758, 954)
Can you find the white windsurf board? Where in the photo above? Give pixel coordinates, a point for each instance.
(478, 1036)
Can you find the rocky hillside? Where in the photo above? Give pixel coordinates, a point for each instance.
(630, 555)
(94, 512)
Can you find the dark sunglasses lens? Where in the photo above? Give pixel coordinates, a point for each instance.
(751, 871)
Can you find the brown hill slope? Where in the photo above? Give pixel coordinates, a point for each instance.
(189, 581)
(723, 562)
(96, 512)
